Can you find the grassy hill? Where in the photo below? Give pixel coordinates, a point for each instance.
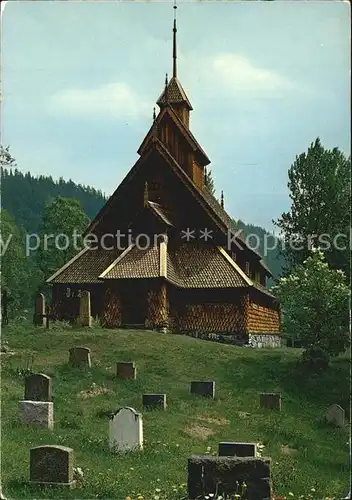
(315, 454)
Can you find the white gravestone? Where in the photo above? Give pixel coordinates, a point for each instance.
(126, 430)
(37, 413)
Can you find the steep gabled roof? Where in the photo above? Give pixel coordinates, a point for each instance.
(210, 205)
(187, 134)
(175, 94)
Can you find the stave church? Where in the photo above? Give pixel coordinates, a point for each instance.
(177, 263)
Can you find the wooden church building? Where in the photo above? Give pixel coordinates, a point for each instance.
(167, 256)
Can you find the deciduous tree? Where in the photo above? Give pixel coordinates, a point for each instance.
(320, 192)
(63, 218)
(315, 305)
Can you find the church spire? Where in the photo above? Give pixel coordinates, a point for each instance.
(174, 51)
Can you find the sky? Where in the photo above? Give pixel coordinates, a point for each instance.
(80, 79)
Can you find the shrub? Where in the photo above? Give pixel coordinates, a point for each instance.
(316, 359)
(315, 300)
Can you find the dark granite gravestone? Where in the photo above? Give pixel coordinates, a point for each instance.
(336, 415)
(203, 388)
(126, 370)
(233, 449)
(154, 401)
(224, 475)
(80, 357)
(38, 387)
(39, 310)
(51, 465)
(270, 400)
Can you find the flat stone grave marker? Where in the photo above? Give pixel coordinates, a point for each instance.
(336, 415)
(126, 430)
(270, 400)
(37, 413)
(38, 387)
(85, 318)
(80, 357)
(52, 465)
(233, 449)
(208, 474)
(154, 401)
(39, 310)
(203, 388)
(126, 370)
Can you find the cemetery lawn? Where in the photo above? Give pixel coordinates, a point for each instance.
(306, 452)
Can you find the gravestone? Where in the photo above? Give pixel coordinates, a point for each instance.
(154, 401)
(233, 449)
(80, 357)
(126, 370)
(126, 430)
(203, 388)
(224, 475)
(270, 400)
(38, 387)
(39, 310)
(85, 318)
(51, 465)
(37, 413)
(336, 415)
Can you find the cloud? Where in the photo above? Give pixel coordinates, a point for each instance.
(238, 73)
(112, 100)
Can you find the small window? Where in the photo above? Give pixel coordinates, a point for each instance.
(247, 268)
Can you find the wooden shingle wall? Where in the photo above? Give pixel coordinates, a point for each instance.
(157, 316)
(111, 316)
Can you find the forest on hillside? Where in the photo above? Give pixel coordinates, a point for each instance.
(24, 196)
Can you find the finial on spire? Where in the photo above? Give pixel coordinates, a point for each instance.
(166, 92)
(174, 52)
(222, 199)
(154, 129)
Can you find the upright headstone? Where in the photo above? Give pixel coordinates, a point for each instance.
(80, 357)
(126, 370)
(38, 387)
(37, 413)
(152, 401)
(85, 318)
(270, 400)
(126, 430)
(39, 310)
(208, 475)
(336, 415)
(233, 449)
(203, 388)
(51, 466)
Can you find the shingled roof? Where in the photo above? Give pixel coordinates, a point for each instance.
(175, 94)
(187, 266)
(160, 212)
(85, 267)
(134, 263)
(202, 266)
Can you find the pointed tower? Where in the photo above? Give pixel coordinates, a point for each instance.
(174, 93)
